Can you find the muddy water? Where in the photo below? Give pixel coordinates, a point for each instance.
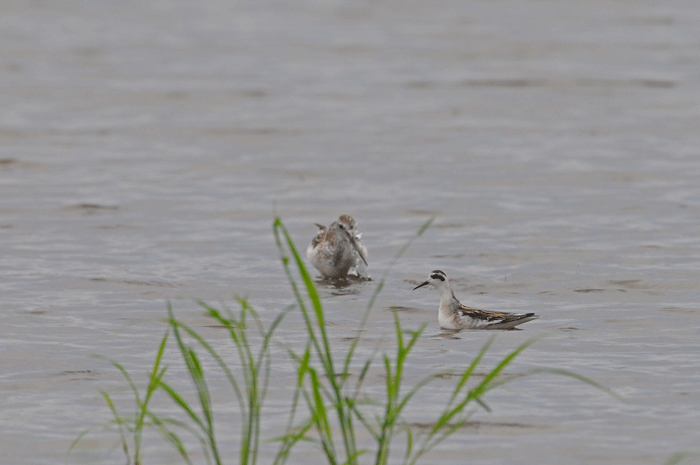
(146, 147)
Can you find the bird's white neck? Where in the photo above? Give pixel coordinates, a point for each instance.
(446, 294)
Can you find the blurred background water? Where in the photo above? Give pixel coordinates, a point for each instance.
(147, 146)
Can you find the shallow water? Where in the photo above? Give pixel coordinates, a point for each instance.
(146, 147)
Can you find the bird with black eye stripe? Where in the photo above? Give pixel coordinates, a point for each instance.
(453, 315)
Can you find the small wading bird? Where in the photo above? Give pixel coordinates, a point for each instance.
(454, 315)
(337, 250)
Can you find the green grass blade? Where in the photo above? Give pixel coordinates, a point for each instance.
(324, 352)
(679, 457)
(173, 439)
(194, 369)
(467, 374)
(583, 379)
(84, 433)
(120, 424)
(409, 443)
(126, 375)
(183, 404)
(321, 415)
(290, 439)
(368, 426)
(212, 312)
(488, 382)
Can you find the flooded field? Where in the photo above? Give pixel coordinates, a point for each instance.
(148, 146)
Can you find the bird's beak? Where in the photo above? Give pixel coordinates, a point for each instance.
(356, 247)
(320, 226)
(421, 285)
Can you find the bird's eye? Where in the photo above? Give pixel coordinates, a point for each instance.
(341, 226)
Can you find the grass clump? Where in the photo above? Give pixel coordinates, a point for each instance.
(131, 428)
(327, 408)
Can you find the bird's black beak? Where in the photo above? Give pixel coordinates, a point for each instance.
(355, 246)
(421, 285)
(357, 249)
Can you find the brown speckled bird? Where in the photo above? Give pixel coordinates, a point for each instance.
(337, 250)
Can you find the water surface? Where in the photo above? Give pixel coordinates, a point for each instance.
(147, 146)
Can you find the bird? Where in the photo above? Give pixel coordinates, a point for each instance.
(453, 315)
(337, 250)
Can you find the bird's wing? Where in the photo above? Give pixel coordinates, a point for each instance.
(491, 316)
